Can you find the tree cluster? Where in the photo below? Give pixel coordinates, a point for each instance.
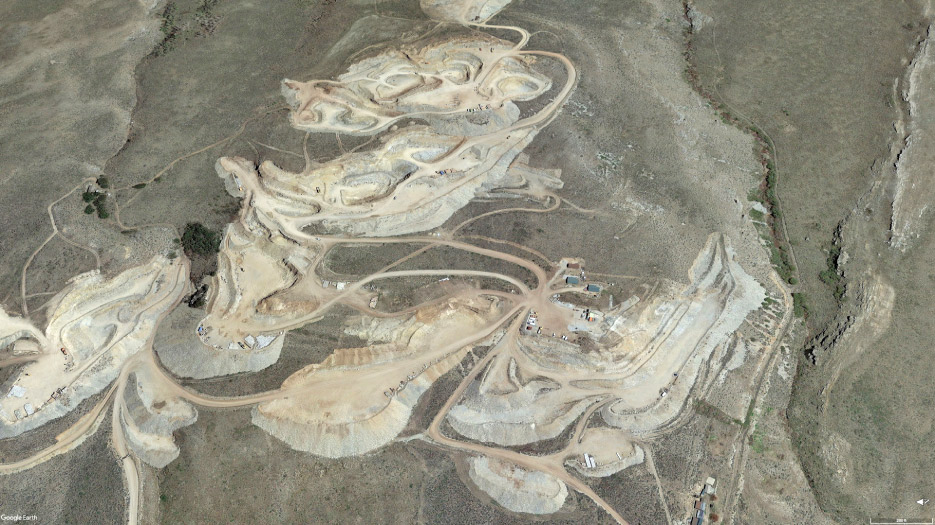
(201, 240)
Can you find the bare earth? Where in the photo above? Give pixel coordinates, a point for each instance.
(503, 244)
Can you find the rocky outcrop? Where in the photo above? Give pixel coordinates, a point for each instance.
(915, 167)
(149, 419)
(321, 415)
(96, 325)
(519, 490)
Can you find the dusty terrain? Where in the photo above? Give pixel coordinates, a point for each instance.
(852, 164)
(479, 260)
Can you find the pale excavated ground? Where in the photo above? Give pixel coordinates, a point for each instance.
(646, 348)
(370, 98)
(633, 365)
(389, 377)
(96, 325)
(516, 489)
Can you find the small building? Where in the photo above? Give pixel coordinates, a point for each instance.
(17, 391)
(574, 266)
(571, 279)
(709, 485)
(589, 461)
(593, 288)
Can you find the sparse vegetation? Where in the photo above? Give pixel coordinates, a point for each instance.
(799, 304)
(706, 409)
(169, 28)
(830, 275)
(206, 6)
(757, 440)
(766, 193)
(179, 25)
(749, 415)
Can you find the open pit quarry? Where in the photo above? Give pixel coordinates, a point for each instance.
(645, 355)
(95, 325)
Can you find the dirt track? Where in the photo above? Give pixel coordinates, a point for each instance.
(250, 302)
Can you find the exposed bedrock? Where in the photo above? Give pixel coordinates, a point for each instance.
(454, 80)
(150, 418)
(644, 368)
(915, 167)
(517, 489)
(319, 414)
(414, 181)
(96, 325)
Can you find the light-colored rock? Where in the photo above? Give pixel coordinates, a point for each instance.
(101, 323)
(519, 490)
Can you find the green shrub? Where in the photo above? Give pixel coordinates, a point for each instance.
(103, 182)
(829, 277)
(199, 239)
(89, 209)
(799, 304)
(98, 204)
